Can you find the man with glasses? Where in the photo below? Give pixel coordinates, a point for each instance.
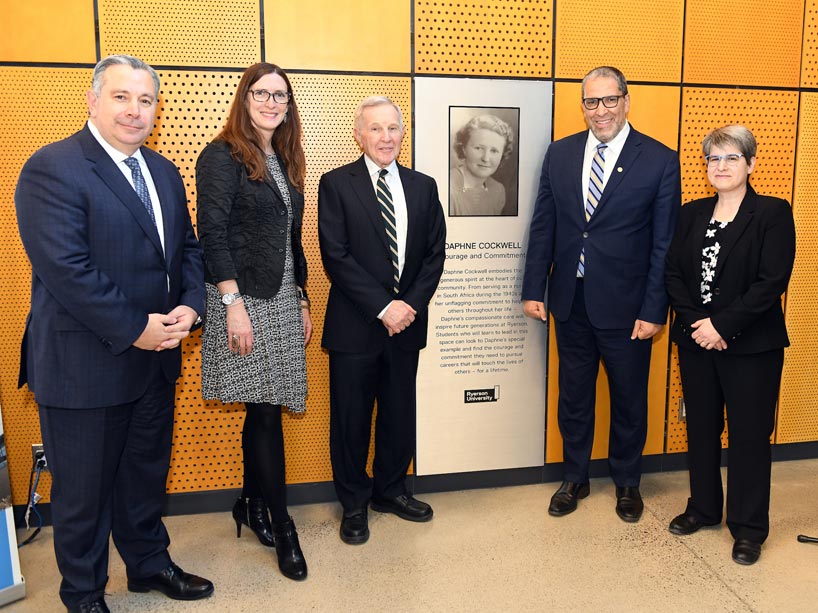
(603, 220)
(117, 283)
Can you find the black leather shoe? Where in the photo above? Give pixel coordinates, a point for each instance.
(564, 500)
(687, 524)
(95, 606)
(252, 512)
(629, 505)
(746, 552)
(174, 583)
(404, 506)
(355, 529)
(291, 560)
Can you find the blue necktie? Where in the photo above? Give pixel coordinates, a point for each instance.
(140, 186)
(595, 184)
(388, 214)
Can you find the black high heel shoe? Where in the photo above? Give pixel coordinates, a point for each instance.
(291, 560)
(252, 513)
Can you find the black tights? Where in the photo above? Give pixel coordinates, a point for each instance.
(262, 441)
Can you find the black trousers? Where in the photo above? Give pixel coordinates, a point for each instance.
(356, 381)
(627, 362)
(109, 467)
(748, 385)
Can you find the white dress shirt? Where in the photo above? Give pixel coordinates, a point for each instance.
(611, 155)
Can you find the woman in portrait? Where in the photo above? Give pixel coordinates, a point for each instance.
(481, 146)
(250, 203)
(728, 265)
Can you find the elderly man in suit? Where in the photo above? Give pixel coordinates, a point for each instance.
(604, 217)
(382, 233)
(117, 283)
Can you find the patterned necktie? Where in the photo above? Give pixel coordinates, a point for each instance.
(140, 186)
(388, 214)
(594, 194)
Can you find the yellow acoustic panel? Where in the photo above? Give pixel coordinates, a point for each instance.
(809, 46)
(194, 106)
(657, 393)
(753, 42)
(797, 418)
(509, 38)
(771, 115)
(48, 31)
(28, 124)
(182, 32)
(643, 38)
(654, 111)
(352, 35)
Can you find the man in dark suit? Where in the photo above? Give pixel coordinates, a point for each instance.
(117, 283)
(604, 217)
(382, 234)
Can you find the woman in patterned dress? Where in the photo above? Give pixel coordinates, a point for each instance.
(729, 262)
(250, 203)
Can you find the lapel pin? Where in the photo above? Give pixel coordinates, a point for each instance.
(619, 169)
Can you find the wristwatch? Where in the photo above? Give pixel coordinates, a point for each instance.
(228, 299)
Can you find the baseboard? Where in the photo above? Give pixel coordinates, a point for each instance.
(219, 501)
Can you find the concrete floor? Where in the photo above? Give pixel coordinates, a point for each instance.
(489, 550)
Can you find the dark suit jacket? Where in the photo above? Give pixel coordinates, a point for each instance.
(98, 270)
(753, 270)
(242, 224)
(625, 241)
(356, 257)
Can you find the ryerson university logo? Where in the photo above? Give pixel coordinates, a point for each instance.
(488, 395)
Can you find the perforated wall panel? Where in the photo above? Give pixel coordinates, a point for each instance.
(644, 48)
(182, 32)
(23, 133)
(809, 51)
(475, 37)
(753, 42)
(797, 417)
(771, 115)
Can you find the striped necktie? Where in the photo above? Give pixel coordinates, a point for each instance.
(140, 186)
(595, 185)
(388, 214)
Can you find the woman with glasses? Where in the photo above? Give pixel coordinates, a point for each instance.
(481, 146)
(727, 267)
(250, 203)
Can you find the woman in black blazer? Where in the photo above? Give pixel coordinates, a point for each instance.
(728, 265)
(250, 185)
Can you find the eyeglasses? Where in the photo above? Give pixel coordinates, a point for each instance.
(731, 159)
(262, 95)
(609, 102)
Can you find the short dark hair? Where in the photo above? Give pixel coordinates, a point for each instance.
(607, 71)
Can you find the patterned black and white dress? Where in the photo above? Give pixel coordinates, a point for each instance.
(275, 371)
(713, 237)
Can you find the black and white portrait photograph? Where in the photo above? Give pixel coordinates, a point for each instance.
(484, 161)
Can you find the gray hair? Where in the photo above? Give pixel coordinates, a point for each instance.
(375, 101)
(610, 72)
(735, 135)
(483, 122)
(123, 60)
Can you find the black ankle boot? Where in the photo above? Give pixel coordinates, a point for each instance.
(291, 560)
(252, 513)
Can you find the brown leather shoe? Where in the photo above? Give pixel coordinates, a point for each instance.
(564, 500)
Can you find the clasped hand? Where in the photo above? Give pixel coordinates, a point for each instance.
(399, 316)
(166, 331)
(706, 336)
